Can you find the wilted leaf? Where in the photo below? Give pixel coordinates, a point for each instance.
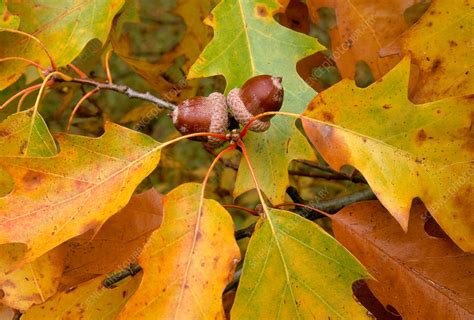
(246, 43)
(34, 282)
(363, 28)
(65, 27)
(117, 244)
(187, 262)
(60, 197)
(403, 150)
(294, 270)
(423, 277)
(442, 46)
(89, 300)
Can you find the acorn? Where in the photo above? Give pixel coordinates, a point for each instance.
(202, 114)
(259, 94)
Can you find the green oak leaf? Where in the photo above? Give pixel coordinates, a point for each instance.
(247, 42)
(294, 270)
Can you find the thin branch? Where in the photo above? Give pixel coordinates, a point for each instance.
(329, 206)
(129, 92)
(245, 232)
(335, 175)
(131, 270)
(17, 315)
(233, 285)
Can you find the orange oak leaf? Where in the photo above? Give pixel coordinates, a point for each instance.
(363, 28)
(57, 198)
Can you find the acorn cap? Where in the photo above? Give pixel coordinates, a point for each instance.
(202, 114)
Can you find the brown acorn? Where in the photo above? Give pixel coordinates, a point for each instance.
(202, 114)
(258, 95)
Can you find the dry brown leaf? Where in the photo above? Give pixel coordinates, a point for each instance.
(422, 276)
(118, 243)
(363, 28)
(296, 17)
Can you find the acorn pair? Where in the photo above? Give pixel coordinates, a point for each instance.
(258, 95)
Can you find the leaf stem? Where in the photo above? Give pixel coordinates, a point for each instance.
(79, 72)
(192, 135)
(330, 206)
(232, 206)
(37, 65)
(25, 95)
(252, 173)
(79, 103)
(107, 66)
(27, 90)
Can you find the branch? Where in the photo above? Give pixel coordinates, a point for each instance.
(331, 173)
(244, 233)
(131, 270)
(129, 92)
(329, 206)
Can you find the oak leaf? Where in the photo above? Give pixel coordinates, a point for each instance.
(293, 269)
(21, 285)
(422, 276)
(64, 28)
(250, 42)
(89, 300)
(57, 198)
(117, 244)
(363, 28)
(442, 46)
(403, 150)
(187, 262)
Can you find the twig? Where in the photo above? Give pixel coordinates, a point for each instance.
(244, 233)
(131, 270)
(233, 285)
(336, 204)
(335, 175)
(330, 206)
(129, 92)
(17, 315)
